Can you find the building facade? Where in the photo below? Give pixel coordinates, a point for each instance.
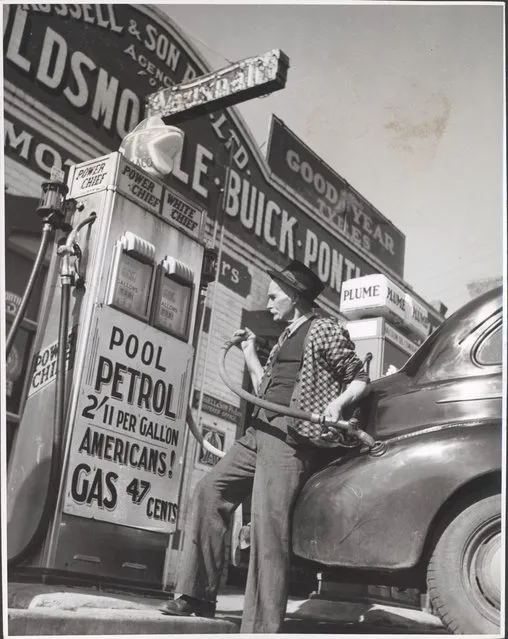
(75, 82)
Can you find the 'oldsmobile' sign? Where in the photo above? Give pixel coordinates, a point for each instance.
(343, 210)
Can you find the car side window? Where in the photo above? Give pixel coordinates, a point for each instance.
(489, 350)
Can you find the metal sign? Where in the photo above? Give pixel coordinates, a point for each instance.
(217, 438)
(337, 204)
(236, 83)
(92, 176)
(128, 436)
(138, 186)
(373, 295)
(182, 213)
(45, 363)
(234, 275)
(376, 295)
(217, 407)
(400, 340)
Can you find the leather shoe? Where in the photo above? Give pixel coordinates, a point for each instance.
(186, 606)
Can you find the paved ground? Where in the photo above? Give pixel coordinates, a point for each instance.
(36, 609)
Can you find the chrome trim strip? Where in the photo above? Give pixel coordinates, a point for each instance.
(468, 399)
(433, 429)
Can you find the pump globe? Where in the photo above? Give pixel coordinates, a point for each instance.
(153, 146)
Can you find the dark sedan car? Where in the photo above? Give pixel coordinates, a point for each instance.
(422, 520)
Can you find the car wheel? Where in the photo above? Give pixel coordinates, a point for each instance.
(464, 574)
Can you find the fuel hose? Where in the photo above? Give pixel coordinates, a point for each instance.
(350, 427)
(48, 510)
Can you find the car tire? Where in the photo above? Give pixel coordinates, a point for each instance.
(464, 573)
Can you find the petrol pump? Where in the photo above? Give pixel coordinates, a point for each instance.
(94, 480)
(383, 320)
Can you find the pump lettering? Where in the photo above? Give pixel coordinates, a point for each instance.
(140, 186)
(395, 298)
(159, 432)
(99, 488)
(362, 292)
(152, 395)
(92, 175)
(124, 452)
(45, 363)
(148, 353)
(181, 212)
(161, 510)
(44, 375)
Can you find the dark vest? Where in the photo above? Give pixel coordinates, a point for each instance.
(280, 384)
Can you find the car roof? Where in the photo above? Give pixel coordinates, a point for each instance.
(475, 312)
(456, 328)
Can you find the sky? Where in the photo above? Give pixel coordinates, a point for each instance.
(406, 102)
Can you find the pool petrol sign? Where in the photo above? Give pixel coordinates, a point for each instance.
(94, 71)
(128, 435)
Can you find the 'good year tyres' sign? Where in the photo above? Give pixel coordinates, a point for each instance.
(343, 211)
(128, 435)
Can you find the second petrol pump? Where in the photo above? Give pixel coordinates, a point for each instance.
(383, 320)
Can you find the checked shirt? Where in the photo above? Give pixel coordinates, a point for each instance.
(329, 364)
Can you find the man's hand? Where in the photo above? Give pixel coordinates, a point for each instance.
(333, 411)
(355, 391)
(245, 339)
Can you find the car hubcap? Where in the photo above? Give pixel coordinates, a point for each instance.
(482, 569)
(488, 569)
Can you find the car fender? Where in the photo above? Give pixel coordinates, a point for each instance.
(375, 512)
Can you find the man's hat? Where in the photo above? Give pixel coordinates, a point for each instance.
(300, 278)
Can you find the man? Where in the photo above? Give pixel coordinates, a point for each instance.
(308, 368)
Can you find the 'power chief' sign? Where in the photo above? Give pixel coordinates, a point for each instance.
(330, 196)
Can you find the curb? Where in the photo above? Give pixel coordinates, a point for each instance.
(94, 621)
(332, 611)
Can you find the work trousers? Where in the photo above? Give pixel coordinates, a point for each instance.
(264, 463)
